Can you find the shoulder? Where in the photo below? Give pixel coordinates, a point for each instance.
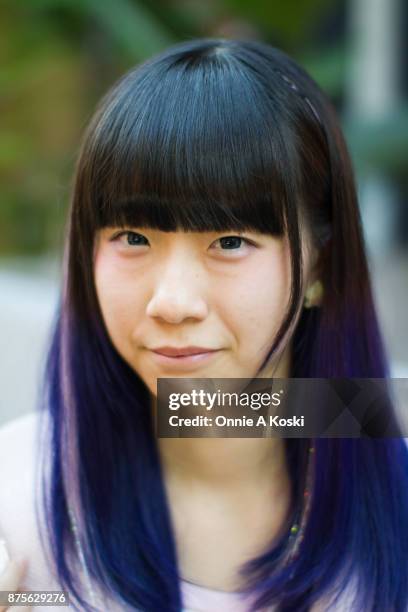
(18, 450)
(16, 434)
(20, 478)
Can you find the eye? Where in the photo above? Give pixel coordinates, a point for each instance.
(132, 238)
(232, 243)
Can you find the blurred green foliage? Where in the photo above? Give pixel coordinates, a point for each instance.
(60, 56)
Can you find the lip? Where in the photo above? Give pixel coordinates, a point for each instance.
(183, 351)
(184, 361)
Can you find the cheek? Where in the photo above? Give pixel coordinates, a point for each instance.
(261, 300)
(117, 298)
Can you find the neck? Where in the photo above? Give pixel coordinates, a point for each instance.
(228, 463)
(230, 491)
(225, 463)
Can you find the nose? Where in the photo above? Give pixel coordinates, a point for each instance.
(178, 293)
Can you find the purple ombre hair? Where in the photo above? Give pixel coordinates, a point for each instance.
(210, 135)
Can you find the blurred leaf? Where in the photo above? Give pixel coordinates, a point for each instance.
(290, 20)
(14, 149)
(133, 28)
(328, 67)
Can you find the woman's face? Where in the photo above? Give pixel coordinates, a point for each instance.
(225, 292)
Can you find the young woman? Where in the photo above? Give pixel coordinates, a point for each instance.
(214, 212)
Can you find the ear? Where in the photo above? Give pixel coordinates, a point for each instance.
(314, 286)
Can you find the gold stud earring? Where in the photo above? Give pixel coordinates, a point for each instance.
(313, 295)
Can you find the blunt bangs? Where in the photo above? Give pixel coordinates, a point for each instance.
(197, 146)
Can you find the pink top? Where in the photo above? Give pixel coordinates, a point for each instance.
(200, 598)
(18, 526)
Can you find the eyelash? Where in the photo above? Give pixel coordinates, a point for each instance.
(245, 240)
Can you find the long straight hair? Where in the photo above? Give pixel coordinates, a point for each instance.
(215, 135)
